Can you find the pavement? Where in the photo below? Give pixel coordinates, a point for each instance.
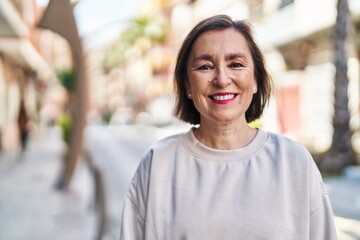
(30, 206)
(32, 209)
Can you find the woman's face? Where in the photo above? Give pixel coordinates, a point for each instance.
(221, 76)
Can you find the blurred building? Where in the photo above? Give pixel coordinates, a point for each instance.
(298, 44)
(27, 57)
(139, 73)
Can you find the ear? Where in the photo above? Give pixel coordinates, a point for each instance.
(255, 89)
(188, 90)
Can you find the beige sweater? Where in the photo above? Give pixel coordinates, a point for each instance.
(269, 190)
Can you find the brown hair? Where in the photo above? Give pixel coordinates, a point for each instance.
(184, 107)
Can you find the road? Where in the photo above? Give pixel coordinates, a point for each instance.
(118, 149)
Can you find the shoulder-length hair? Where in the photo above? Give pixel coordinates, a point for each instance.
(184, 107)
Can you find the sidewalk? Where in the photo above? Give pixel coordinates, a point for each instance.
(30, 207)
(344, 193)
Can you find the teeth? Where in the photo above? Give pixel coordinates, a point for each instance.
(223, 97)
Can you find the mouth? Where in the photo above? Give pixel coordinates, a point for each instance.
(223, 97)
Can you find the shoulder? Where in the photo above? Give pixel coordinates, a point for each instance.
(293, 156)
(288, 152)
(285, 144)
(166, 144)
(157, 153)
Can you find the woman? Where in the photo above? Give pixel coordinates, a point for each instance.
(224, 179)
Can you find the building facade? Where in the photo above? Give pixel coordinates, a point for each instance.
(28, 55)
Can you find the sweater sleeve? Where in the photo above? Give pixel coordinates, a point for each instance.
(134, 206)
(322, 226)
(132, 224)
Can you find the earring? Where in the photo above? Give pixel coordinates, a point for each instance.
(189, 95)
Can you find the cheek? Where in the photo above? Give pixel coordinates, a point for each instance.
(247, 83)
(197, 83)
(251, 83)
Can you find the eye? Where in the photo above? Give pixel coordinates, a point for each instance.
(205, 67)
(236, 65)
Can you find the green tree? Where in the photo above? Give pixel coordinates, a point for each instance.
(139, 36)
(67, 79)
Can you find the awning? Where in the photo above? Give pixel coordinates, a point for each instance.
(15, 42)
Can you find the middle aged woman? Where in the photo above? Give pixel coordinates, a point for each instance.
(224, 179)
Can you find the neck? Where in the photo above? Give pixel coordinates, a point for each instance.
(225, 136)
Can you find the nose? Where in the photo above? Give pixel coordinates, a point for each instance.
(221, 78)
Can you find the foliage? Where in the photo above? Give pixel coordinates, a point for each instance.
(256, 123)
(137, 38)
(67, 79)
(65, 126)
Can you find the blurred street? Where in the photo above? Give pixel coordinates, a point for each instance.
(111, 62)
(32, 209)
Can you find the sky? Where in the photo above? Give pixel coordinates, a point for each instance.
(99, 21)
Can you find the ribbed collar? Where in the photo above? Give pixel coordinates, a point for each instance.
(203, 152)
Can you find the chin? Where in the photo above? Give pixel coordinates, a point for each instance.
(228, 120)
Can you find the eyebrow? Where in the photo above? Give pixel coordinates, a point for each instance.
(204, 56)
(229, 56)
(235, 55)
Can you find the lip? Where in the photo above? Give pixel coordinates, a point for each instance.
(223, 97)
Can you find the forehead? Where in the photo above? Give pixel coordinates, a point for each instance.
(221, 42)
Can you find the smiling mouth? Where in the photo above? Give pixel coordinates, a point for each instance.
(223, 97)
